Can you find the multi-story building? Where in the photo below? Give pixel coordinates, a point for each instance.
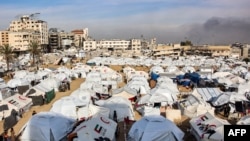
(115, 46)
(89, 45)
(246, 51)
(167, 50)
(136, 46)
(26, 25)
(80, 35)
(66, 39)
(4, 37)
(220, 50)
(207, 50)
(54, 39)
(20, 40)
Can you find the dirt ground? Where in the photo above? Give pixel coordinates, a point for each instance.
(184, 126)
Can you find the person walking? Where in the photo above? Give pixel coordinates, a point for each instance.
(68, 84)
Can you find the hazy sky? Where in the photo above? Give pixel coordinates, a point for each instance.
(201, 21)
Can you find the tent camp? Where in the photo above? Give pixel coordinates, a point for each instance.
(95, 128)
(155, 127)
(206, 127)
(47, 126)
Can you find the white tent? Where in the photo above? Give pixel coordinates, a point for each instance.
(67, 106)
(125, 92)
(206, 127)
(90, 110)
(139, 85)
(13, 83)
(52, 83)
(83, 95)
(21, 102)
(122, 106)
(162, 94)
(47, 126)
(95, 128)
(155, 127)
(20, 74)
(5, 109)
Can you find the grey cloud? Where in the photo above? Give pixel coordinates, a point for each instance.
(220, 31)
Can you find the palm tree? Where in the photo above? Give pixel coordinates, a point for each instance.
(7, 52)
(34, 49)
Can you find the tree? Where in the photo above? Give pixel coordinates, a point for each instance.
(186, 43)
(7, 52)
(34, 49)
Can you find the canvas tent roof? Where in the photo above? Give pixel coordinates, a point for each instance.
(20, 101)
(201, 124)
(33, 91)
(122, 106)
(96, 127)
(90, 110)
(155, 127)
(83, 95)
(125, 92)
(67, 106)
(45, 126)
